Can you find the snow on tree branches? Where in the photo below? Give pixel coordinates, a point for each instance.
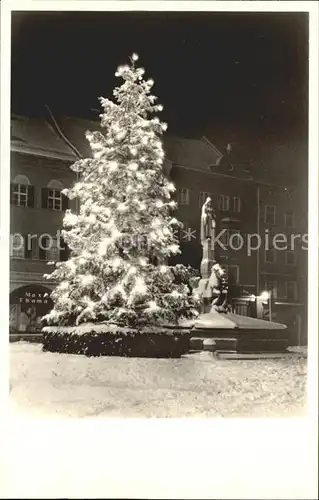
(123, 235)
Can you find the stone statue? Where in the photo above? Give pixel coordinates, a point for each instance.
(207, 236)
(218, 283)
(212, 288)
(208, 224)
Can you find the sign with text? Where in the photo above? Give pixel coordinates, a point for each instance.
(35, 298)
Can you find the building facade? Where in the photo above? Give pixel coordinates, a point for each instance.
(283, 261)
(39, 171)
(246, 206)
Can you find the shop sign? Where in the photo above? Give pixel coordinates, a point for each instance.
(34, 298)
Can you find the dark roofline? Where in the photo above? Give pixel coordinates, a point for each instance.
(211, 145)
(62, 136)
(71, 158)
(23, 147)
(25, 150)
(245, 179)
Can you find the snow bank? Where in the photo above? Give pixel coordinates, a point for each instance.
(197, 385)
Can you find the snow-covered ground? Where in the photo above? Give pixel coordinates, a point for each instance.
(47, 384)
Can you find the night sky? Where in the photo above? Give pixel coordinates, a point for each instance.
(239, 76)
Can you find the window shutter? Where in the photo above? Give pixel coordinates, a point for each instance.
(31, 196)
(44, 197)
(34, 249)
(42, 248)
(28, 247)
(64, 251)
(65, 202)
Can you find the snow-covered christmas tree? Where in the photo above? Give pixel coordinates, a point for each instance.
(124, 233)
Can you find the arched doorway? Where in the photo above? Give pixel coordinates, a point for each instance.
(27, 306)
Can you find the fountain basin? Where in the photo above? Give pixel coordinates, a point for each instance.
(241, 334)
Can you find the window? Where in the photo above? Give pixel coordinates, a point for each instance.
(183, 196)
(229, 236)
(22, 247)
(223, 203)
(225, 237)
(241, 309)
(203, 195)
(48, 249)
(17, 246)
(53, 198)
(235, 239)
(290, 258)
(21, 194)
(270, 256)
(52, 249)
(271, 286)
(53, 252)
(270, 214)
(281, 290)
(236, 204)
(232, 273)
(291, 290)
(289, 219)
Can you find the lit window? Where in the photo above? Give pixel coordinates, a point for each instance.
(236, 204)
(223, 203)
(270, 214)
(270, 256)
(183, 196)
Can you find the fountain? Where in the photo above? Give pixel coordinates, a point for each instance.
(229, 332)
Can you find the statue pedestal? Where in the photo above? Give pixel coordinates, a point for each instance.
(207, 260)
(205, 292)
